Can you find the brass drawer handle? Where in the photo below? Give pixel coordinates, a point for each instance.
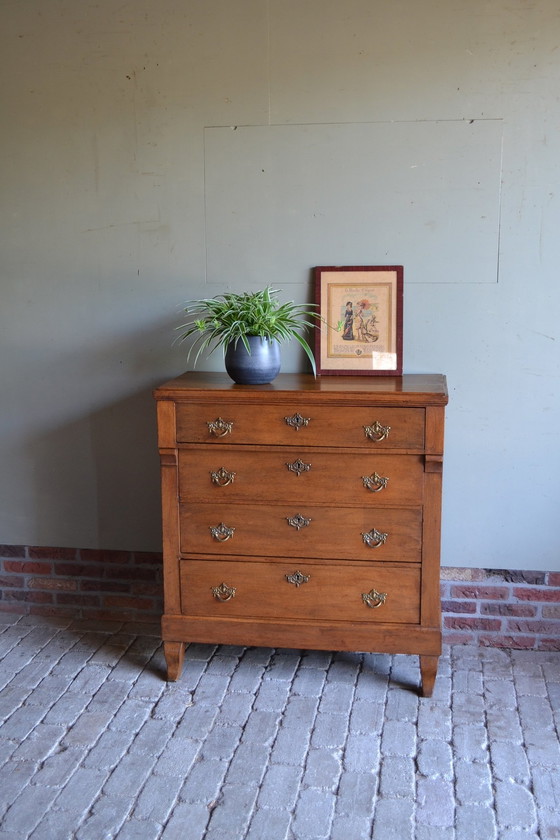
(298, 521)
(298, 466)
(223, 592)
(296, 421)
(374, 538)
(222, 477)
(219, 427)
(221, 532)
(375, 482)
(297, 578)
(377, 432)
(374, 599)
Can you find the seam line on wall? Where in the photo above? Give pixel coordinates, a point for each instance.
(361, 122)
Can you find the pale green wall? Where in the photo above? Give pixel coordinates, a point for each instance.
(133, 143)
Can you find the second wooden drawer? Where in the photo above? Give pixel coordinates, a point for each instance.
(239, 474)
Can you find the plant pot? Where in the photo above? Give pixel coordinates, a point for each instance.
(259, 367)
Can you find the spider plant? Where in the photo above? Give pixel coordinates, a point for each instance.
(232, 317)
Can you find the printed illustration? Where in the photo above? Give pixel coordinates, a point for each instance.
(360, 321)
(362, 312)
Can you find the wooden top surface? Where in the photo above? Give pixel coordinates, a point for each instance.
(411, 389)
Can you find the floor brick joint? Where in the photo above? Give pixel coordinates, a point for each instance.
(270, 744)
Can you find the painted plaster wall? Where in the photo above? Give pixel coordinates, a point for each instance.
(417, 133)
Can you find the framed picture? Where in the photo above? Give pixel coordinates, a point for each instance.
(361, 308)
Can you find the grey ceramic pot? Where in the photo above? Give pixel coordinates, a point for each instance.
(259, 367)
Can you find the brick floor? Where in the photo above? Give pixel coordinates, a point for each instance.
(261, 744)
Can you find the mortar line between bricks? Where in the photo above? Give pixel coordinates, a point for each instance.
(530, 787)
(9, 758)
(192, 691)
(503, 711)
(91, 810)
(128, 749)
(202, 673)
(345, 747)
(492, 807)
(312, 728)
(53, 664)
(56, 747)
(491, 762)
(273, 742)
(524, 742)
(16, 641)
(380, 763)
(80, 765)
(453, 752)
(37, 651)
(92, 745)
(177, 723)
(454, 764)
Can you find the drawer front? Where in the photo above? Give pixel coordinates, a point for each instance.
(233, 474)
(292, 590)
(302, 530)
(289, 425)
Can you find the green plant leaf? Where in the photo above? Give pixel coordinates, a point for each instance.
(218, 321)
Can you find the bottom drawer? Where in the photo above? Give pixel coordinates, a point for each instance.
(301, 590)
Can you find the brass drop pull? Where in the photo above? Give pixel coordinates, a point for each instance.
(374, 599)
(298, 521)
(223, 592)
(222, 477)
(374, 482)
(219, 427)
(374, 538)
(221, 532)
(377, 432)
(296, 421)
(297, 578)
(298, 466)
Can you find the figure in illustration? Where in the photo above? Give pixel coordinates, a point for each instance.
(348, 331)
(366, 322)
(359, 323)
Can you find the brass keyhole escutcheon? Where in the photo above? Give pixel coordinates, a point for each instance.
(298, 521)
(297, 578)
(296, 421)
(298, 466)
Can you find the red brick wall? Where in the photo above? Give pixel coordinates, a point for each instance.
(500, 608)
(81, 583)
(490, 607)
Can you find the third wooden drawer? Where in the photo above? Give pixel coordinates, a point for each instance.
(303, 530)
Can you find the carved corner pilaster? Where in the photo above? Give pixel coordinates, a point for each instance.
(433, 463)
(168, 457)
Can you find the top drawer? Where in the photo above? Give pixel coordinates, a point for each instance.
(282, 425)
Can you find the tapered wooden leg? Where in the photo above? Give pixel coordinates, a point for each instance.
(174, 653)
(428, 672)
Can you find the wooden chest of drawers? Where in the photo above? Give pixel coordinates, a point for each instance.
(304, 513)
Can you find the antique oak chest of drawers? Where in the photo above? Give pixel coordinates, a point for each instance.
(302, 514)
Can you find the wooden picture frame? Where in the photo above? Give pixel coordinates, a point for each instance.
(361, 309)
